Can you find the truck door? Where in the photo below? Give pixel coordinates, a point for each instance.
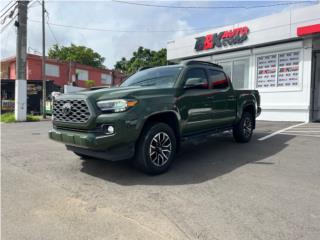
(223, 100)
(195, 103)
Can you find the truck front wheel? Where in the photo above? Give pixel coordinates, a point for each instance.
(156, 148)
(242, 131)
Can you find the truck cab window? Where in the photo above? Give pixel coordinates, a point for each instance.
(196, 78)
(218, 80)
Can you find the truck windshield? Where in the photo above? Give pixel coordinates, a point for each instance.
(160, 77)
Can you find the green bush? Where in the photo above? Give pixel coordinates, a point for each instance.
(33, 118)
(89, 83)
(9, 118)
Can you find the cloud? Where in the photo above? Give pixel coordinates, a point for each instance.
(115, 16)
(100, 15)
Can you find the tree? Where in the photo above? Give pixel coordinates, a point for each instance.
(79, 54)
(143, 57)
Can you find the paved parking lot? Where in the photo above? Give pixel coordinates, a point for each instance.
(216, 189)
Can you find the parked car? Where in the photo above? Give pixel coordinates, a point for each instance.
(148, 116)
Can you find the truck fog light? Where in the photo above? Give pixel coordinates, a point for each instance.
(108, 129)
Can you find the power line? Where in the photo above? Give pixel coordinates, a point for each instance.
(15, 3)
(115, 30)
(6, 6)
(57, 42)
(5, 44)
(33, 49)
(153, 31)
(54, 36)
(9, 15)
(211, 7)
(9, 23)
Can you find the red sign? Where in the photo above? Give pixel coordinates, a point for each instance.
(231, 37)
(308, 30)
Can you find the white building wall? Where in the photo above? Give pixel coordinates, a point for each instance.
(281, 103)
(276, 27)
(288, 104)
(278, 103)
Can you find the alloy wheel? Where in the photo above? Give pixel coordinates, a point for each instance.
(247, 127)
(160, 149)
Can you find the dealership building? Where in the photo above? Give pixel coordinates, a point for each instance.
(279, 55)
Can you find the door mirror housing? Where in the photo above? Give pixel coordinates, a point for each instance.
(196, 83)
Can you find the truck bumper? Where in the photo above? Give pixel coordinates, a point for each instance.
(97, 145)
(113, 154)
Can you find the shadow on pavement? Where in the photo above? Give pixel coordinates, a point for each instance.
(194, 163)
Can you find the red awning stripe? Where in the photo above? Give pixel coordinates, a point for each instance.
(308, 30)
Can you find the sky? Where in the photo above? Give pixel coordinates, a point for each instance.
(128, 26)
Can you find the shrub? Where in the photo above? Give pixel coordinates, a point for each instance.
(9, 118)
(89, 83)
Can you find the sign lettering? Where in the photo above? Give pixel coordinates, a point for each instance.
(230, 37)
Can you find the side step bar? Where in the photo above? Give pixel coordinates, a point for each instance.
(205, 134)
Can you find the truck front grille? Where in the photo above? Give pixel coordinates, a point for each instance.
(72, 111)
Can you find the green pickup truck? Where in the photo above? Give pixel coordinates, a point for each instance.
(152, 112)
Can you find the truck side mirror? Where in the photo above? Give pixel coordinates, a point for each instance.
(196, 83)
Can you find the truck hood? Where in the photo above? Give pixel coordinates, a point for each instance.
(122, 92)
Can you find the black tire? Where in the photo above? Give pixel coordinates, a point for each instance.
(82, 156)
(155, 149)
(242, 131)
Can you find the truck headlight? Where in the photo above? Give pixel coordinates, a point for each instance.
(118, 105)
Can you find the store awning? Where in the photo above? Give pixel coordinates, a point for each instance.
(308, 30)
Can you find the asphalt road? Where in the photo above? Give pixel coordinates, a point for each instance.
(216, 189)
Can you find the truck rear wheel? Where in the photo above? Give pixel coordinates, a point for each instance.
(242, 131)
(156, 148)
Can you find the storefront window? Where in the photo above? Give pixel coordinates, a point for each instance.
(240, 74)
(227, 68)
(238, 71)
(288, 69)
(278, 70)
(267, 68)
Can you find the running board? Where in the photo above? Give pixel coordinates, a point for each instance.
(205, 134)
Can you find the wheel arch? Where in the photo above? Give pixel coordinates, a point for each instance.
(169, 117)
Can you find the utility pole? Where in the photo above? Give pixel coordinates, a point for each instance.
(44, 87)
(20, 105)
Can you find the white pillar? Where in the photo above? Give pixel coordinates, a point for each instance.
(20, 104)
(20, 110)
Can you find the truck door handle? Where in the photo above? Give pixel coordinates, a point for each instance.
(211, 97)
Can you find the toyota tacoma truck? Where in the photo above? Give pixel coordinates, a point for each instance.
(152, 112)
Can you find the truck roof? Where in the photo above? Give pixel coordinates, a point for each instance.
(196, 62)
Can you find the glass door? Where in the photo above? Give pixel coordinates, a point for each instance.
(238, 71)
(316, 87)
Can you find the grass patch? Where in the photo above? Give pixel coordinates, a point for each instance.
(9, 118)
(33, 118)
